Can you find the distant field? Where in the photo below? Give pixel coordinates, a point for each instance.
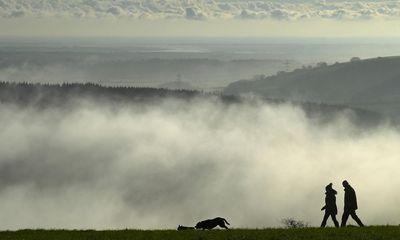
(373, 233)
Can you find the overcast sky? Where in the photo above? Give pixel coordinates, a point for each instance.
(193, 18)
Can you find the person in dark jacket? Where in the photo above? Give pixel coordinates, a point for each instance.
(350, 205)
(330, 205)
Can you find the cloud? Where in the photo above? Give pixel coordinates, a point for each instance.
(279, 14)
(216, 9)
(115, 11)
(191, 13)
(173, 162)
(17, 13)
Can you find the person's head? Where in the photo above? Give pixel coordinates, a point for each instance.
(328, 187)
(345, 183)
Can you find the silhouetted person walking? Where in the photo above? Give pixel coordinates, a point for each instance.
(330, 205)
(350, 205)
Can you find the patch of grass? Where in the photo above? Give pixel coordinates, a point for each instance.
(366, 233)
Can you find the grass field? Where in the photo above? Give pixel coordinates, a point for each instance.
(366, 233)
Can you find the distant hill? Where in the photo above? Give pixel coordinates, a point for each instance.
(372, 84)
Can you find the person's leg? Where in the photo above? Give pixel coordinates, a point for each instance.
(345, 216)
(355, 217)
(334, 220)
(323, 224)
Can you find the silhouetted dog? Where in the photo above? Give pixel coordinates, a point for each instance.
(181, 228)
(212, 223)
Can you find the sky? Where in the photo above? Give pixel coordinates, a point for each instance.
(199, 18)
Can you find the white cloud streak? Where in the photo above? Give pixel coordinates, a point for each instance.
(203, 9)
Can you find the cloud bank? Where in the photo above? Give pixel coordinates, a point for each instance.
(157, 166)
(202, 10)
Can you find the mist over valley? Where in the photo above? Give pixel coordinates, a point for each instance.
(97, 137)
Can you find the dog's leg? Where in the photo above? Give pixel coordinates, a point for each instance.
(223, 225)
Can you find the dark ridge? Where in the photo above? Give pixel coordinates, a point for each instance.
(59, 94)
(64, 95)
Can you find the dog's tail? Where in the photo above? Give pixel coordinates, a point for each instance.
(184, 228)
(226, 221)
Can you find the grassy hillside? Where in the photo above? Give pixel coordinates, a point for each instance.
(367, 233)
(372, 84)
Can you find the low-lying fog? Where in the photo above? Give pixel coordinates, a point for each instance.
(161, 165)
